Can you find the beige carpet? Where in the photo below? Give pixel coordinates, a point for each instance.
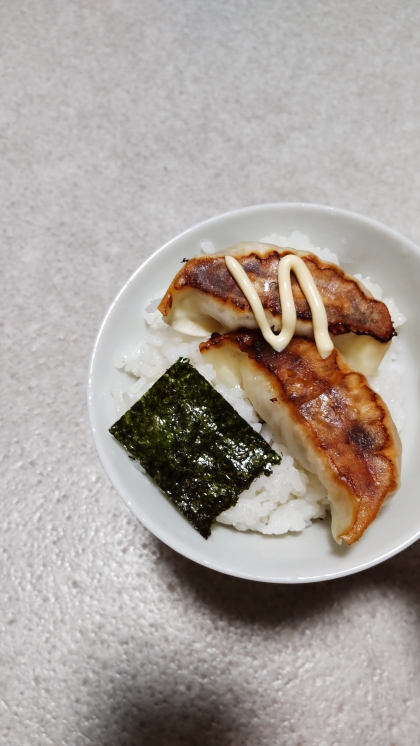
(124, 122)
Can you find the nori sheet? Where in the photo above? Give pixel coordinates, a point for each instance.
(194, 445)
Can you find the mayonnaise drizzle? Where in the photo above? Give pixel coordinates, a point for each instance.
(287, 264)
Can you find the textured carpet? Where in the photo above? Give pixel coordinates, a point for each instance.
(123, 123)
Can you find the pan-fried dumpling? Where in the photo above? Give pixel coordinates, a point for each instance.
(325, 413)
(204, 297)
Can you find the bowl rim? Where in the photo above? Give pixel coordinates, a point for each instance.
(234, 214)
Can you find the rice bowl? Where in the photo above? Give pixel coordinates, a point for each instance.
(341, 231)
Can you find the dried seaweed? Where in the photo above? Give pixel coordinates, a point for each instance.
(194, 445)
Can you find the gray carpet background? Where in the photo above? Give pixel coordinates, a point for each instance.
(122, 123)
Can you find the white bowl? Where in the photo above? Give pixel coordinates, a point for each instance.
(363, 246)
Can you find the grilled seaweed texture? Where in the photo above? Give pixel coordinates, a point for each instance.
(194, 445)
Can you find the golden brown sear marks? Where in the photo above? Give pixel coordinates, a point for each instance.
(348, 308)
(345, 427)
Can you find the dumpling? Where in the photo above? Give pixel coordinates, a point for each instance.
(204, 297)
(325, 413)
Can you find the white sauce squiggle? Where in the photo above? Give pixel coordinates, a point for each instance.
(287, 264)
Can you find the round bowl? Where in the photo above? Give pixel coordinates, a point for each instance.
(363, 246)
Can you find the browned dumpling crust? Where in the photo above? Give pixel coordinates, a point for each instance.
(349, 307)
(328, 416)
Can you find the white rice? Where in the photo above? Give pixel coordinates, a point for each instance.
(290, 498)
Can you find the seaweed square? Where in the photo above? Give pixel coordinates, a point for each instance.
(194, 445)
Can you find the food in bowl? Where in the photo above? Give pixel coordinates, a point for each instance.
(292, 496)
